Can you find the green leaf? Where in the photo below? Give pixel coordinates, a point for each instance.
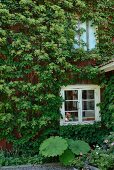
(67, 157)
(53, 146)
(79, 147)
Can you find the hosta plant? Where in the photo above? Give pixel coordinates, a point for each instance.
(66, 149)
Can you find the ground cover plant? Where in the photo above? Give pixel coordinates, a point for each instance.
(12, 159)
(103, 156)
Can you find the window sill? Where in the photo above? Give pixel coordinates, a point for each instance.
(76, 123)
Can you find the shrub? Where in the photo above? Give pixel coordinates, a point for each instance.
(103, 157)
(92, 134)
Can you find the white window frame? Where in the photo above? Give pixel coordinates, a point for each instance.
(96, 88)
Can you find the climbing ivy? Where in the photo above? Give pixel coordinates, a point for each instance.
(38, 57)
(107, 105)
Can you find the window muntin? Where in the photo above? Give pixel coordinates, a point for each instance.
(79, 104)
(85, 37)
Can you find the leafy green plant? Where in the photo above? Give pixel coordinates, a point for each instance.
(107, 104)
(101, 160)
(66, 149)
(85, 132)
(79, 147)
(108, 144)
(53, 146)
(110, 137)
(78, 163)
(2, 158)
(67, 157)
(7, 159)
(103, 156)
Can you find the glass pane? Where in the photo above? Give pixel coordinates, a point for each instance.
(87, 94)
(88, 105)
(92, 38)
(88, 115)
(71, 95)
(70, 105)
(71, 116)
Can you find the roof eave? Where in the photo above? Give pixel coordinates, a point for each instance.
(107, 67)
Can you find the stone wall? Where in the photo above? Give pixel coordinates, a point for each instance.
(37, 167)
(44, 167)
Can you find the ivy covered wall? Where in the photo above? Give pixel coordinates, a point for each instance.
(37, 58)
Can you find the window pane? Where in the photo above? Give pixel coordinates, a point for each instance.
(71, 116)
(71, 95)
(88, 115)
(88, 105)
(92, 38)
(85, 35)
(70, 105)
(87, 94)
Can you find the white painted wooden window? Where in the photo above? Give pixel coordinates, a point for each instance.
(80, 104)
(85, 36)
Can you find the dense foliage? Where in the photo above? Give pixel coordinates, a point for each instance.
(37, 58)
(103, 157)
(107, 106)
(10, 159)
(93, 134)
